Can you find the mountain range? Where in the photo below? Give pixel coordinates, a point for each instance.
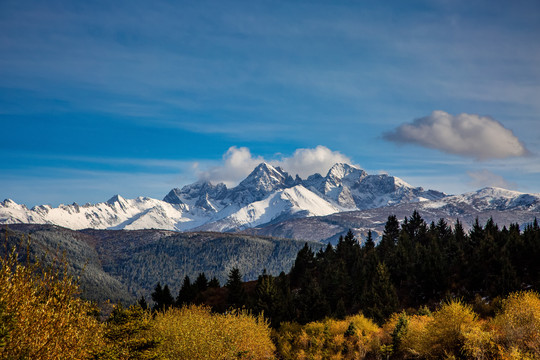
(269, 201)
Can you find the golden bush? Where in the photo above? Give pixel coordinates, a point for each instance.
(352, 338)
(445, 334)
(412, 342)
(479, 342)
(518, 325)
(42, 317)
(194, 332)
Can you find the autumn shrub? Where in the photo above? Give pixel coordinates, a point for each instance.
(127, 335)
(412, 335)
(518, 326)
(194, 332)
(351, 338)
(41, 315)
(444, 334)
(479, 342)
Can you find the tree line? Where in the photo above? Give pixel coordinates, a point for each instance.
(415, 264)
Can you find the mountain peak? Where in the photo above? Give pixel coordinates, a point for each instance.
(265, 178)
(8, 202)
(341, 170)
(265, 171)
(264, 167)
(116, 199)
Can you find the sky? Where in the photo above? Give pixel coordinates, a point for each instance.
(99, 98)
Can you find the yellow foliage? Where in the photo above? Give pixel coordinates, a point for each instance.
(193, 333)
(363, 324)
(479, 342)
(445, 334)
(518, 325)
(42, 317)
(442, 335)
(329, 339)
(412, 342)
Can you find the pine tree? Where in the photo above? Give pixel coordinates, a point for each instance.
(214, 283)
(311, 302)
(303, 266)
(201, 283)
(236, 295)
(381, 298)
(388, 243)
(167, 298)
(162, 297)
(142, 303)
(187, 293)
(157, 297)
(267, 298)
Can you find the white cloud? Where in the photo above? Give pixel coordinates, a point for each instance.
(305, 162)
(483, 178)
(469, 135)
(238, 162)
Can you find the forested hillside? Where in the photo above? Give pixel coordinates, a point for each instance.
(141, 258)
(120, 265)
(59, 247)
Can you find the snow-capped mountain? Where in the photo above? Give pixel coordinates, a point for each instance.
(267, 196)
(505, 207)
(354, 189)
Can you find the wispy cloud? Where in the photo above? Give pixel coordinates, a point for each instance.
(469, 135)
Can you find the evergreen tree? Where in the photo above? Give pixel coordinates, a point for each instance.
(388, 243)
(127, 335)
(214, 283)
(381, 299)
(311, 302)
(348, 250)
(267, 298)
(236, 295)
(201, 283)
(187, 293)
(370, 244)
(162, 297)
(303, 266)
(142, 303)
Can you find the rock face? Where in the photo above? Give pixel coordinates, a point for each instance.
(266, 197)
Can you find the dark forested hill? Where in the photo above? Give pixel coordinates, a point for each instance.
(121, 264)
(52, 244)
(141, 258)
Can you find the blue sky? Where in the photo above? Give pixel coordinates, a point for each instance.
(136, 97)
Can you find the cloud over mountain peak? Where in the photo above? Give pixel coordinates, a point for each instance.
(238, 162)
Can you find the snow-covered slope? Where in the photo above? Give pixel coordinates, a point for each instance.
(116, 213)
(505, 207)
(492, 198)
(266, 196)
(287, 203)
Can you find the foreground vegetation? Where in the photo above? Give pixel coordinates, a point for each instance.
(455, 296)
(42, 317)
(454, 331)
